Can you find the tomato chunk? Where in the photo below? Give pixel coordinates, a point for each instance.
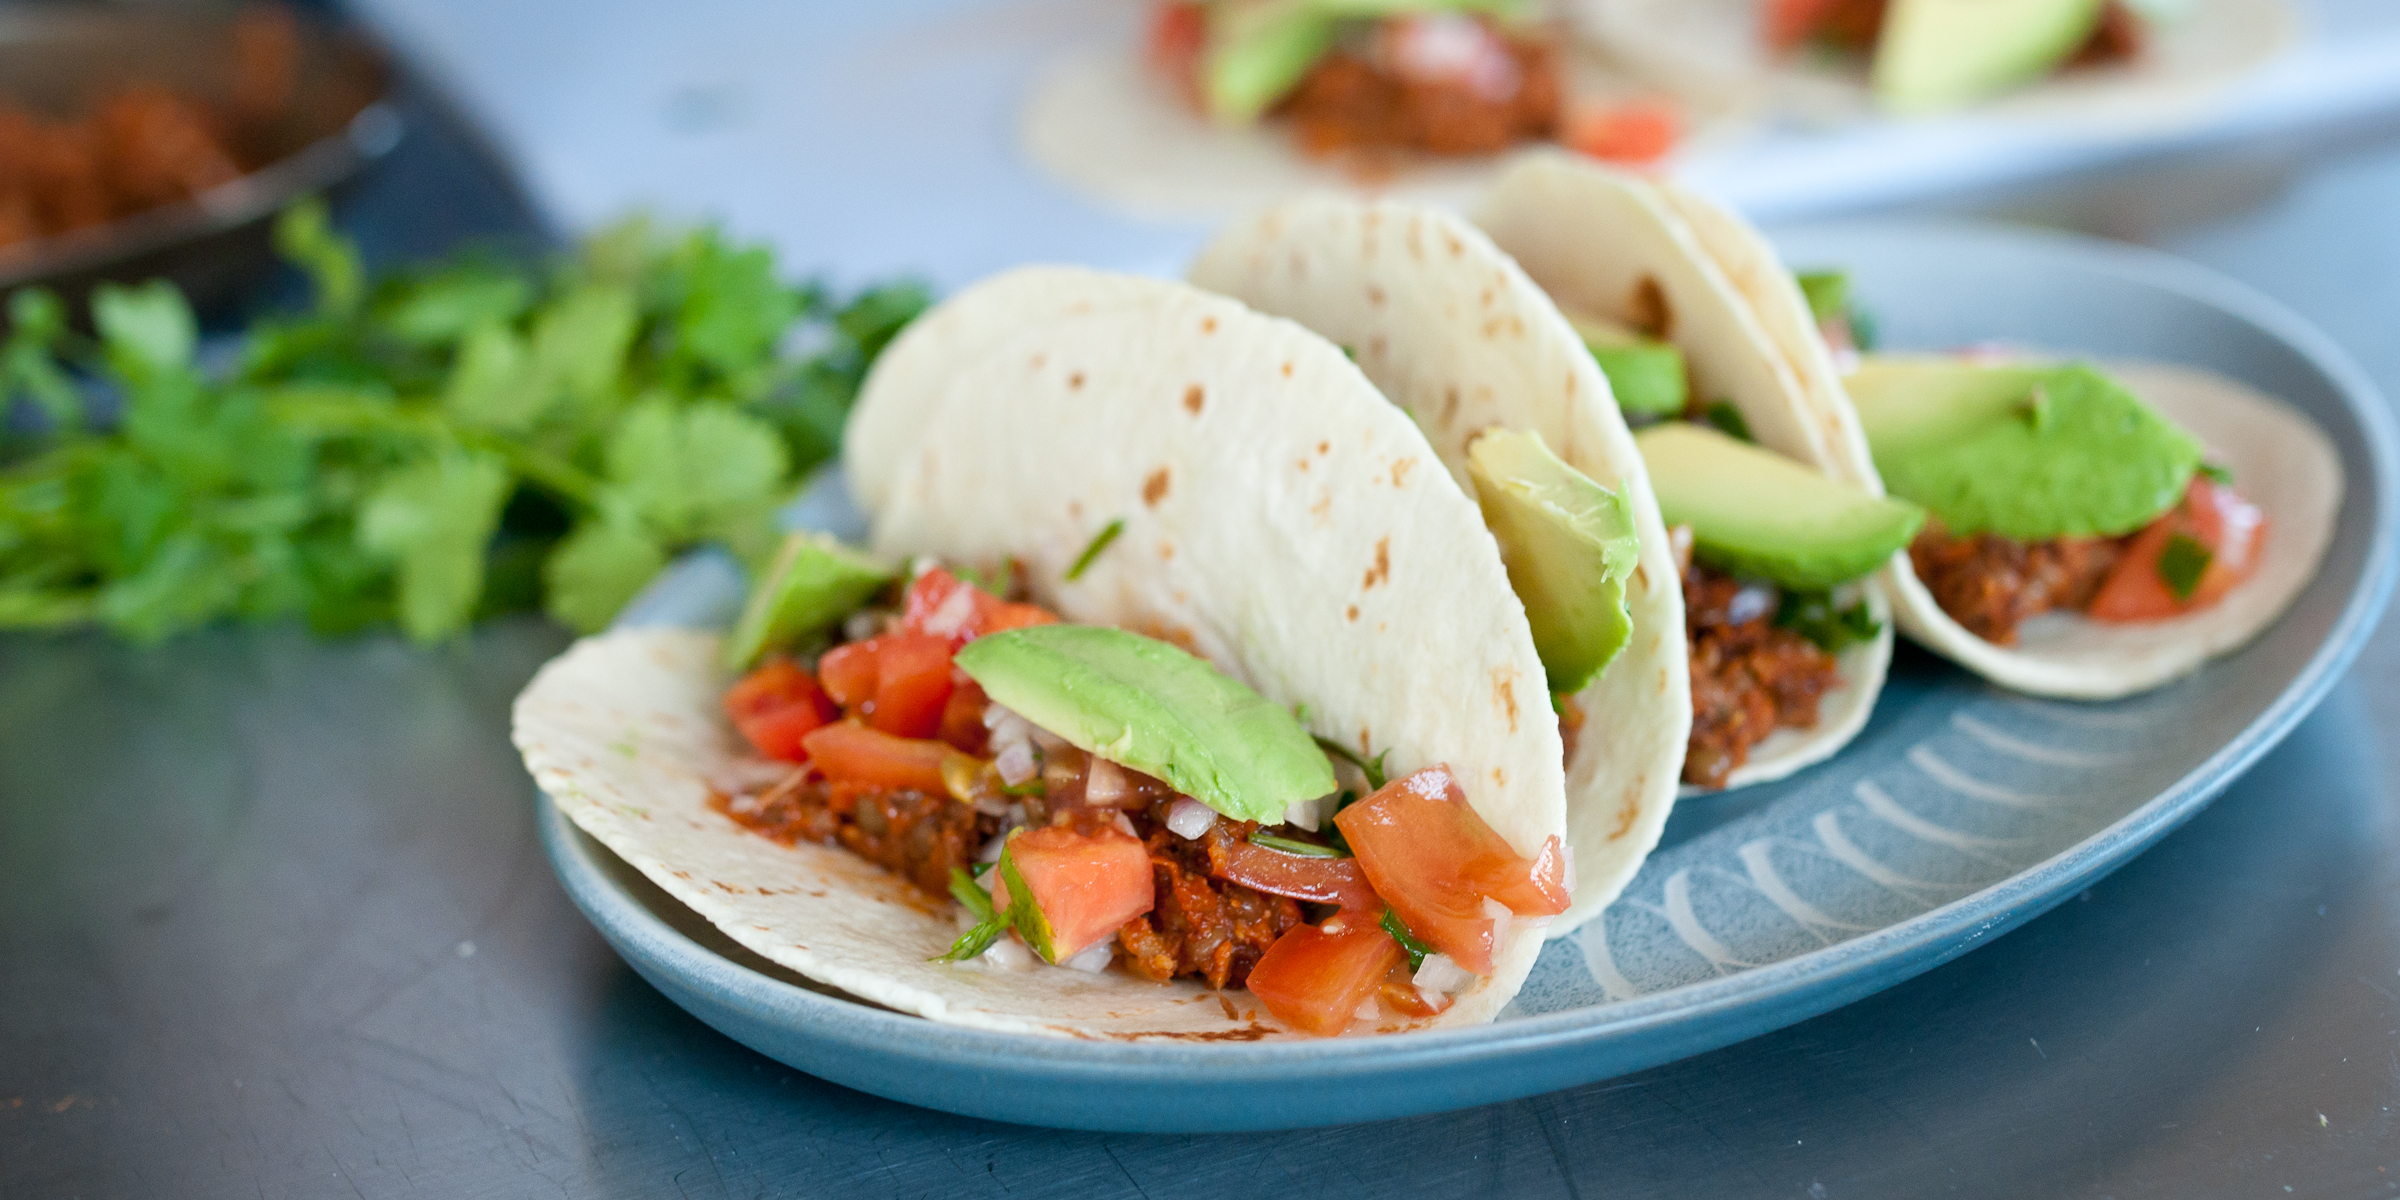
(943, 605)
(1401, 994)
(912, 684)
(1791, 22)
(1436, 862)
(848, 673)
(775, 706)
(1323, 880)
(1315, 977)
(2231, 530)
(1082, 886)
(962, 715)
(1635, 133)
(848, 752)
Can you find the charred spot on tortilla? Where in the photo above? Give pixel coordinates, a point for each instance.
(1488, 297)
(1382, 570)
(1166, 551)
(1375, 295)
(1449, 404)
(1647, 310)
(1040, 360)
(1504, 689)
(1194, 397)
(1208, 324)
(1154, 487)
(1378, 346)
(1457, 247)
(1352, 614)
(1324, 448)
(1400, 468)
(1075, 382)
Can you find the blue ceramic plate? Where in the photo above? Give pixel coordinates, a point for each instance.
(1961, 811)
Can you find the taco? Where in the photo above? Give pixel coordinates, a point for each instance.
(1786, 646)
(2097, 529)
(1228, 103)
(2099, 63)
(1168, 703)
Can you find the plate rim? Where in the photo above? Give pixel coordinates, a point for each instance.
(1745, 1002)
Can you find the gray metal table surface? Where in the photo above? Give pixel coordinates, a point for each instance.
(274, 922)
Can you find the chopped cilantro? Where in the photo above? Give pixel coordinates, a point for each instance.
(989, 925)
(2181, 565)
(1812, 615)
(427, 446)
(1099, 543)
(2218, 473)
(1372, 768)
(1293, 846)
(1393, 925)
(1728, 420)
(1828, 293)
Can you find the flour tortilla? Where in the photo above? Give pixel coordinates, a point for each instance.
(1592, 238)
(1711, 53)
(2280, 461)
(1455, 334)
(1279, 518)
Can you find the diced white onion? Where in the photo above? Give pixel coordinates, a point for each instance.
(1009, 954)
(1093, 958)
(1501, 918)
(1367, 1010)
(1125, 826)
(1441, 973)
(1433, 783)
(1310, 814)
(1188, 818)
(741, 776)
(1103, 783)
(1753, 601)
(1050, 742)
(861, 625)
(953, 614)
(1016, 763)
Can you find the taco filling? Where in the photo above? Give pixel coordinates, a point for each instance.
(1774, 555)
(2054, 489)
(1931, 54)
(1098, 800)
(1366, 82)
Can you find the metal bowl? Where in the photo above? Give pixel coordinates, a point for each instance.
(216, 245)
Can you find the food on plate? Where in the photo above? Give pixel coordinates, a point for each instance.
(1455, 334)
(1935, 54)
(2080, 67)
(142, 145)
(2095, 530)
(1231, 103)
(1180, 695)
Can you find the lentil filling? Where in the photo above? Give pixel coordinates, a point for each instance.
(1202, 926)
(1750, 677)
(1991, 585)
(1349, 103)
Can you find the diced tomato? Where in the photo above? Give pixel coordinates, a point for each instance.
(1402, 995)
(912, 684)
(2230, 528)
(1177, 35)
(775, 706)
(848, 673)
(942, 604)
(848, 752)
(1083, 885)
(1435, 862)
(962, 715)
(1790, 22)
(1315, 977)
(1635, 133)
(1323, 880)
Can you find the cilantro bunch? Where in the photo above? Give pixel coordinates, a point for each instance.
(428, 448)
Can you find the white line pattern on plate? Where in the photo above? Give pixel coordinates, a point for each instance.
(1940, 771)
(1875, 800)
(2057, 756)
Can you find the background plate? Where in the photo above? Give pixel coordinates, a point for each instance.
(1958, 814)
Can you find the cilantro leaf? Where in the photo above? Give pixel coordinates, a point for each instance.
(432, 520)
(1814, 616)
(597, 569)
(2182, 563)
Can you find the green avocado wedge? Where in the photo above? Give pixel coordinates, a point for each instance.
(1569, 545)
(1259, 50)
(1941, 54)
(1144, 704)
(814, 582)
(2026, 452)
(1754, 512)
(1645, 375)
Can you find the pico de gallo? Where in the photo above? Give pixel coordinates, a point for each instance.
(1380, 900)
(1440, 77)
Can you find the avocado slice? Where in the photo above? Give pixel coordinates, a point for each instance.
(2026, 452)
(1144, 704)
(1755, 512)
(1258, 52)
(1569, 546)
(1644, 374)
(1941, 54)
(815, 581)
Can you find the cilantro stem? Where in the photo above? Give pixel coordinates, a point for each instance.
(1099, 543)
(1293, 846)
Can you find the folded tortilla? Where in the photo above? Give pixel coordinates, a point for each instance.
(1278, 518)
(1457, 335)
